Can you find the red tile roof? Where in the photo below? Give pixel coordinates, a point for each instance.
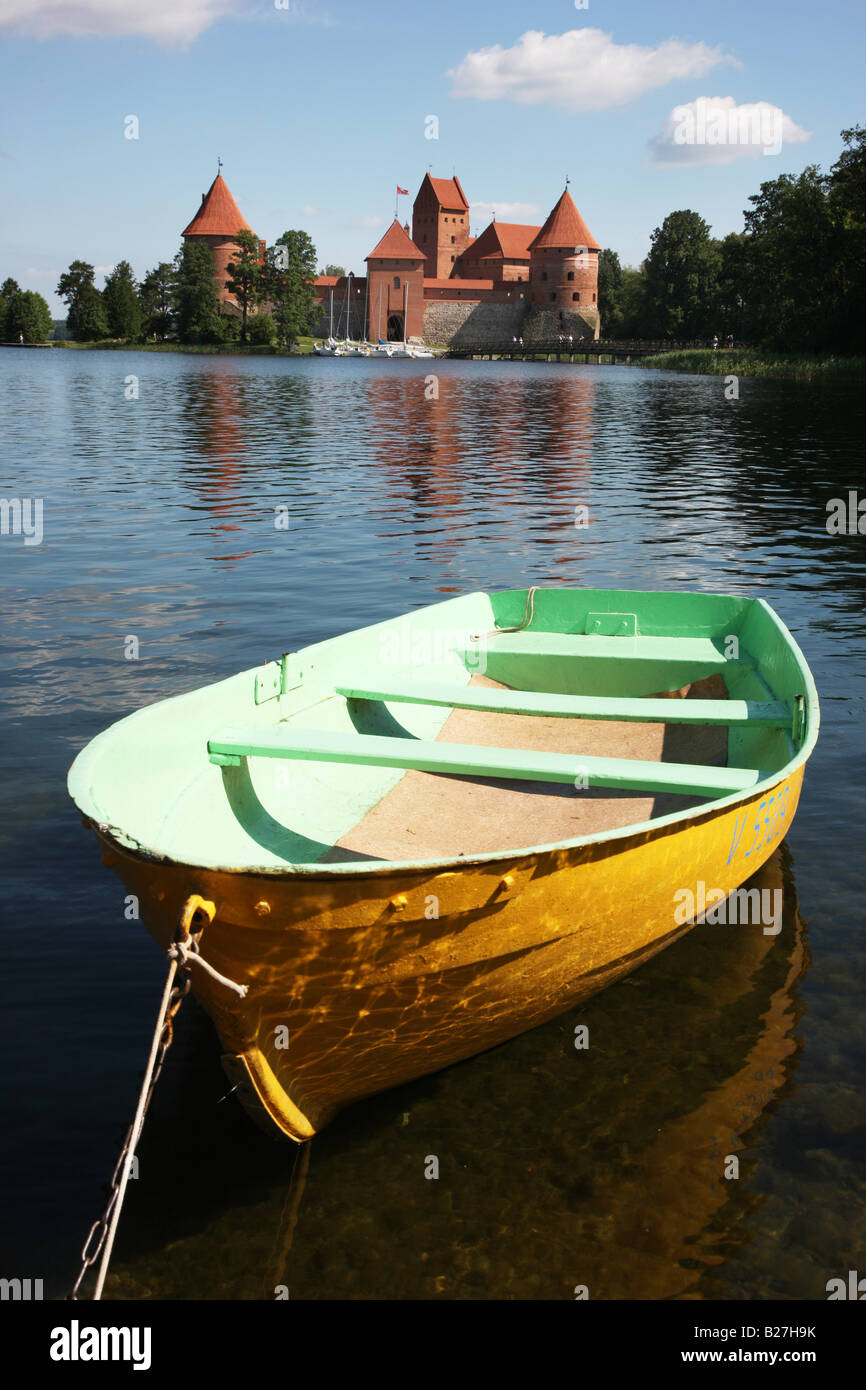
(506, 241)
(565, 227)
(448, 192)
(396, 245)
(219, 214)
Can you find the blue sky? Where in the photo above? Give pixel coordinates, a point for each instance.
(319, 110)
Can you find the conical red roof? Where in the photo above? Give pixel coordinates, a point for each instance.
(396, 245)
(219, 214)
(564, 227)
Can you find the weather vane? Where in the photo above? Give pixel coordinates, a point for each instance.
(219, 164)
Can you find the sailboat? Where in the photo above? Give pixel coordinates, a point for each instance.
(335, 347)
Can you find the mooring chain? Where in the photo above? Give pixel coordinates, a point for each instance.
(182, 953)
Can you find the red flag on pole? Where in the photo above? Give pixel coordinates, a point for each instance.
(402, 190)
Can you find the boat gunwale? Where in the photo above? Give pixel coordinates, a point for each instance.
(359, 868)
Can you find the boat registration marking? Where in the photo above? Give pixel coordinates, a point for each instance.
(771, 822)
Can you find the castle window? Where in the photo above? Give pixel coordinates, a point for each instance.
(544, 274)
(553, 297)
(396, 282)
(452, 258)
(453, 239)
(593, 299)
(571, 275)
(577, 297)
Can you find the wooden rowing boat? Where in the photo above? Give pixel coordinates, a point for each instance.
(419, 839)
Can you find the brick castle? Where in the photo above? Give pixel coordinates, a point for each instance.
(440, 284)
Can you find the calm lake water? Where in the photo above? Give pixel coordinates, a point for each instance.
(558, 1168)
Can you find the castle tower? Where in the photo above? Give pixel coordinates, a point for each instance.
(440, 225)
(395, 279)
(218, 221)
(563, 263)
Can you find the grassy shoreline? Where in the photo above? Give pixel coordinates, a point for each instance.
(304, 347)
(754, 362)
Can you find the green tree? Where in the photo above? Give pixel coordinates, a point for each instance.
(334, 270)
(681, 273)
(92, 318)
(197, 299)
(620, 297)
(609, 292)
(86, 318)
(263, 330)
(8, 290)
(28, 316)
(291, 278)
(847, 195)
(122, 303)
(632, 303)
(792, 262)
(246, 278)
(157, 299)
(732, 297)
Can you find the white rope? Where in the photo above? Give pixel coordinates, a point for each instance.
(135, 1132)
(527, 619)
(182, 952)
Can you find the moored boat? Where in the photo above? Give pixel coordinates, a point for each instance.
(419, 839)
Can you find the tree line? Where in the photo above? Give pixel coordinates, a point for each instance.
(795, 277)
(179, 299)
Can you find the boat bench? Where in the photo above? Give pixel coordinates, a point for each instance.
(774, 714)
(228, 747)
(648, 663)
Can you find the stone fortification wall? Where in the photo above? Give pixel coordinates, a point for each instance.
(462, 321)
(545, 325)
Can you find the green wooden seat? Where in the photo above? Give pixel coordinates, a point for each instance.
(598, 664)
(228, 747)
(770, 713)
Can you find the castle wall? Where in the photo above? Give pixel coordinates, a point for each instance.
(545, 325)
(462, 321)
(357, 321)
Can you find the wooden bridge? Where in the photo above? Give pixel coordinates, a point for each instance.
(565, 349)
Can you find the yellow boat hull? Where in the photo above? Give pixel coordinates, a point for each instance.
(360, 983)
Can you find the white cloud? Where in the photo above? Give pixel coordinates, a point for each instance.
(43, 274)
(103, 269)
(581, 70)
(167, 21)
(310, 210)
(715, 130)
(367, 221)
(504, 212)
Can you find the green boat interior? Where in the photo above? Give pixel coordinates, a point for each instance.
(485, 724)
